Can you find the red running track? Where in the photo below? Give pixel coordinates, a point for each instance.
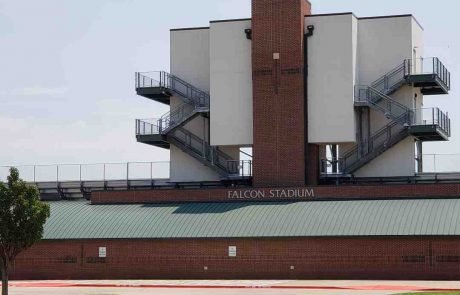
(44, 284)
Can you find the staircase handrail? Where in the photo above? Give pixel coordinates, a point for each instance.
(202, 148)
(152, 79)
(370, 142)
(166, 80)
(435, 117)
(147, 126)
(176, 116)
(380, 142)
(391, 103)
(383, 82)
(388, 98)
(428, 65)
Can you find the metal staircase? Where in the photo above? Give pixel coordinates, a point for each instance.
(200, 149)
(368, 96)
(180, 115)
(195, 101)
(160, 86)
(404, 121)
(367, 150)
(429, 74)
(169, 128)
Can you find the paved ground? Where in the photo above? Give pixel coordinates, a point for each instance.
(160, 287)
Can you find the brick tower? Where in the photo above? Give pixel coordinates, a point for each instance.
(280, 134)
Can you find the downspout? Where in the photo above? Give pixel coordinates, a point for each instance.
(309, 33)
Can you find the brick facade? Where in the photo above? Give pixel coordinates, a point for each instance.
(278, 92)
(343, 192)
(311, 258)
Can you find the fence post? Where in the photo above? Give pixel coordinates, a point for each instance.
(34, 173)
(103, 172)
(404, 67)
(57, 173)
(127, 171)
(80, 172)
(151, 170)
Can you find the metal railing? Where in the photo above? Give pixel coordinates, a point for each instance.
(165, 80)
(376, 144)
(169, 124)
(385, 137)
(428, 66)
(166, 123)
(147, 126)
(432, 163)
(395, 78)
(432, 116)
(90, 172)
(152, 79)
(241, 168)
(178, 116)
(441, 163)
(382, 102)
(96, 172)
(399, 112)
(392, 80)
(376, 96)
(195, 99)
(199, 148)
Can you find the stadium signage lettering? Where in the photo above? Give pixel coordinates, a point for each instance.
(272, 194)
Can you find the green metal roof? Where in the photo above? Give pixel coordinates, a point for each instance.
(80, 220)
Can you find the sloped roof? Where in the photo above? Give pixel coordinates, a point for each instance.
(80, 220)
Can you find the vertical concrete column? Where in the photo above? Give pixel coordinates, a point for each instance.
(278, 92)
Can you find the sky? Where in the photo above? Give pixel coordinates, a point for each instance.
(67, 70)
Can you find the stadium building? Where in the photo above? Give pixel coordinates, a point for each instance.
(296, 145)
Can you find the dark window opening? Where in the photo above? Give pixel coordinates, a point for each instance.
(413, 259)
(95, 260)
(442, 259)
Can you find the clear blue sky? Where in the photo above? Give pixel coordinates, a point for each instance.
(67, 69)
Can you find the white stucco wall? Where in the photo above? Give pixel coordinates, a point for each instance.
(331, 75)
(190, 56)
(187, 169)
(231, 84)
(383, 44)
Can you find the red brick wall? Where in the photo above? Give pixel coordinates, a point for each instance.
(342, 192)
(312, 258)
(313, 162)
(278, 92)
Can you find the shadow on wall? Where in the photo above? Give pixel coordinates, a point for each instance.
(215, 208)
